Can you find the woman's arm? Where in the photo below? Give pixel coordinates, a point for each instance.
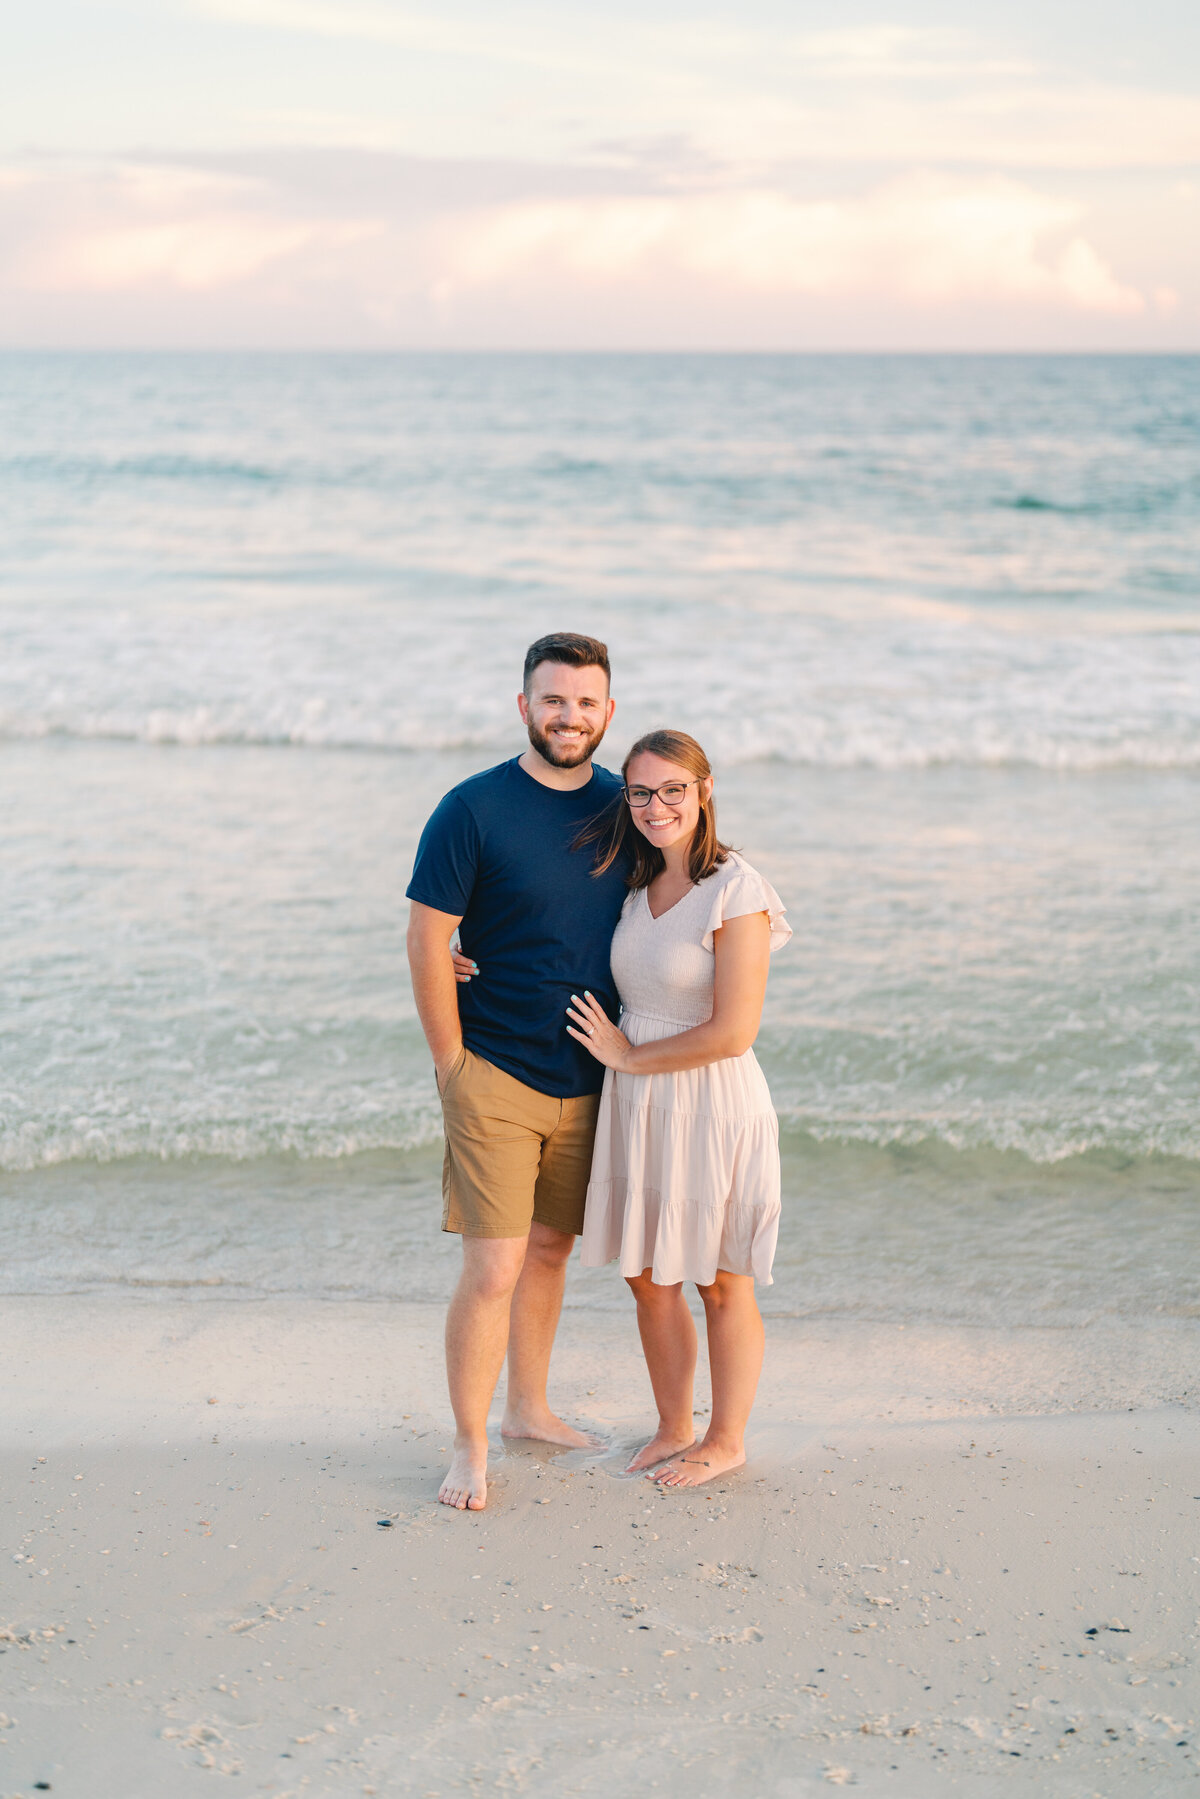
(742, 947)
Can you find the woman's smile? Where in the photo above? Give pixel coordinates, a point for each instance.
(665, 825)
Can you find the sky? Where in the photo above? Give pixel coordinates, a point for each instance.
(665, 175)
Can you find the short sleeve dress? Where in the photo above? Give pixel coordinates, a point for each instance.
(685, 1172)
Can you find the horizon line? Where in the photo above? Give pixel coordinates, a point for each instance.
(317, 349)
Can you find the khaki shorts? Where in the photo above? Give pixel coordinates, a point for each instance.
(512, 1154)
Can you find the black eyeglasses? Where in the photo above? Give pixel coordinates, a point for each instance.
(671, 793)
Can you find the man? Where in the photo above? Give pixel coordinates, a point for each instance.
(519, 1096)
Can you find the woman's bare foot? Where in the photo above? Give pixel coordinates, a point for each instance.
(545, 1427)
(706, 1462)
(662, 1444)
(465, 1486)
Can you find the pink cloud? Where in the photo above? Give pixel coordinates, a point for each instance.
(924, 239)
(163, 252)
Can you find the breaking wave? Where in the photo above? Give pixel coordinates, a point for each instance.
(1043, 1143)
(900, 742)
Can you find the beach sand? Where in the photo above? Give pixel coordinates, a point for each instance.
(958, 1561)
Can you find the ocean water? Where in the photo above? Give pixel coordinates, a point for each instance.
(937, 621)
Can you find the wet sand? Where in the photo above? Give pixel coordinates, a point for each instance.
(956, 1559)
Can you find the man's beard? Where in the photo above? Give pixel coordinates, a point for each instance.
(562, 755)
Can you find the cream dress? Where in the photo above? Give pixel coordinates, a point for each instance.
(685, 1172)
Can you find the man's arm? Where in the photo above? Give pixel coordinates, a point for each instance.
(434, 986)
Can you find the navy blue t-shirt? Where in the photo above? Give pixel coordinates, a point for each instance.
(497, 853)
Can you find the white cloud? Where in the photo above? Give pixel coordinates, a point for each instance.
(902, 53)
(434, 33)
(743, 93)
(561, 38)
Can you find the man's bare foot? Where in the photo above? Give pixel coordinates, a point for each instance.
(660, 1446)
(544, 1427)
(706, 1463)
(465, 1486)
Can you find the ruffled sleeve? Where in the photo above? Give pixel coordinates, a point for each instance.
(743, 890)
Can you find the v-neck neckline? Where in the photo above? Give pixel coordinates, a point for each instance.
(675, 904)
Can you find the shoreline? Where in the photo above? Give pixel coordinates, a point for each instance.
(913, 1580)
(878, 1235)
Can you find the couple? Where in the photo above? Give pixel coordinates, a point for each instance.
(578, 897)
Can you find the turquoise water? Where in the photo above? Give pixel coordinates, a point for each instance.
(935, 619)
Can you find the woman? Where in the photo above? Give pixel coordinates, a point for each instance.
(685, 1174)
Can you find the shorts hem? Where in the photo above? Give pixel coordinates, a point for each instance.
(463, 1229)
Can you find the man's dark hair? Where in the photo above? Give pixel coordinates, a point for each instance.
(568, 647)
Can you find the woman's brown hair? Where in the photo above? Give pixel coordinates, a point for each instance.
(615, 834)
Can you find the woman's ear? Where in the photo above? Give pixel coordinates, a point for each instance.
(706, 789)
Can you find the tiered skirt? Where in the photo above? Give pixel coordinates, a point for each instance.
(685, 1173)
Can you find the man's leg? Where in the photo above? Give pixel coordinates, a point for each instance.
(495, 1127)
(559, 1199)
(476, 1338)
(536, 1304)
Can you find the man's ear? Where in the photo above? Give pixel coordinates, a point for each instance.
(523, 707)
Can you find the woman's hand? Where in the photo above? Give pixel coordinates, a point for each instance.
(464, 966)
(596, 1031)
